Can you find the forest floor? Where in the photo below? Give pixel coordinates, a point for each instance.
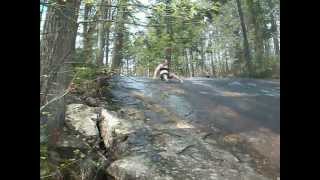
(241, 116)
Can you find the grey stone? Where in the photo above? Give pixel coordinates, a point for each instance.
(92, 102)
(167, 146)
(70, 141)
(82, 119)
(167, 154)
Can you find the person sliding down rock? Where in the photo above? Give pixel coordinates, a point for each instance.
(165, 74)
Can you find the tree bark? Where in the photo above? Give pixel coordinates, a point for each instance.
(226, 62)
(89, 29)
(202, 59)
(247, 54)
(254, 9)
(104, 12)
(267, 47)
(107, 39)
(274, 29)
(191, 63)
(221, 65)
(127, 66)
(87, 8)
(212, 65)
(119, 36)
(101, 32)
(186, 62)
(57, 47)
(168, 50)
(107, 44)
(188, 57)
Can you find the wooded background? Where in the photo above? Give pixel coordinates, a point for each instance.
(205, 37)
(85, 42)
(215, 38)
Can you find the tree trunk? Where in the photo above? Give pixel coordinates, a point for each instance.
(169, 31)
(119, 36)
(191, 63)
(217, 63)
(127, 66)
(212, 65)
(220, 63)
(101, 32)
(148, 68)
(107, 39)
(274, 29)
(186, 64)
(88, 30)
(226, 62)
(267, 47)
(87, 8)
(247, 54)
(202, 59)
(134, 69)
(107, 47)
(254, 9)
(56, 48)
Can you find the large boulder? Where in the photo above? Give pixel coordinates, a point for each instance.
(76, 144)
(114, 131)
(144, 150)
(83, 119)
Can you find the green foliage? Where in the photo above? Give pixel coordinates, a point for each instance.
(205, 28)
(89, 1)
(79, 57)
(46, 168)
(149, 49)
(268, 69)
(85, 73)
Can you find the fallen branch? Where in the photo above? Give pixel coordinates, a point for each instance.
(54, 99)
(52, 174)
(59, 97)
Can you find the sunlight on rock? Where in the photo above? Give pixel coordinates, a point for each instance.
(265, 142)
(183, 125)
(232, 138)
(138, 94)
(233, 94)
(228, 112)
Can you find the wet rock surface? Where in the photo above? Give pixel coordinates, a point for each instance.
(201, 129)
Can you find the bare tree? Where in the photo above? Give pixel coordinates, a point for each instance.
(274, 29)
(119, 35)
(247, 54)
(89, 27)
(103, 29)
(57, 47)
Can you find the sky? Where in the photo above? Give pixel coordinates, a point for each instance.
(141, 16)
